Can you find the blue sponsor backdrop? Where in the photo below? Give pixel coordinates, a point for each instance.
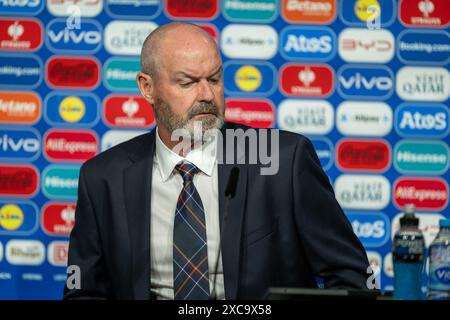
(368, 73)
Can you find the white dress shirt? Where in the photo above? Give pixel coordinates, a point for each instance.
(166, 187)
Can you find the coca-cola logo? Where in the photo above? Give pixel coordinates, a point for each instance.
(18, 181)
(71, 72)
(363, 155)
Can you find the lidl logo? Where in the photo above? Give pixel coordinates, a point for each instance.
(372, 228)
(257, 78)
(127, 37)
(20, 34)
(362, 81)
(124, 111)
(20, 71)
(19, 144)
(60, 181)
(363, 13)
(424, 13)
(307, 80)
(426, 157)
(251, 112)
(359, 118)
(422, 120)
(70, 145)
(74, 8)
(58, 218)
(85, 39)
(18, 218)
(425, 47)
(66, 110)
(363, 155)
(23, 7)
(19, 107)
(120, 74)
(193, 9)
(324, 150)
(112, 138)
(250, 11)
(18, 181)
(423, 84)
(424, 193)
(309, 117)
(133, 9)
(315, 12)
(308, 43)
(73, 72)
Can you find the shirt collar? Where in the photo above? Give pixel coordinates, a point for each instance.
(204, 157)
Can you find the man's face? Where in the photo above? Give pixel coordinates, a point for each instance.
(189, 86)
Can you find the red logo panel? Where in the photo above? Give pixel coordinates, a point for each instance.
(303, 80)
(425, 13)
(363, 155)
(250, 112)
(18, 181)
(58, 219)
(71, 146)
(71, 72)
(128, 112)
(20, 34)
(190, 9)
(424, 193)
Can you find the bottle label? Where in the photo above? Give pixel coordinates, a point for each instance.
(439, 275)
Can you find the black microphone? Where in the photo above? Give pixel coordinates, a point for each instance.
(230, 192)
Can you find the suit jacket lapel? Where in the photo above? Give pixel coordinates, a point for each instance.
(137, 180)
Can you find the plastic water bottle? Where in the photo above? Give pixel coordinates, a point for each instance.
(408, 257)
(439, 264)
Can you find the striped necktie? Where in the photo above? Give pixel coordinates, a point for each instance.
(190, 250)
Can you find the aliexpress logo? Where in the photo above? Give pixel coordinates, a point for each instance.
(18, 180)
(363, 155)
(73, 72)
(70, 145)
(250, 112)
(424, 193)
(19, 107)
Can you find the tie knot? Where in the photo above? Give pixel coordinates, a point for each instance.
(187, 170)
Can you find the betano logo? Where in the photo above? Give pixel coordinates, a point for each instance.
(193, 9)
(58, 218)
(127, 37)
(367, 12)
(307, 11)
(73, 72)
(424, 13)
(251, 112)
(424, 47)
(19, 144)
(367, 119)
(70, 145)
(124, 111)
(18, 181)
(147, 9)
(120, 74)
(363, 155)
(315, 117)
(250, 11)
(422, 120)
(424, 157)
(239, 41)
(372, 228)
(424, 193)
(18, 218)
(66, 8)
(244, 78)
(60, 182)
(22, 7)
(308, 43)
(307, 80)
(20, 34)
(19, 107)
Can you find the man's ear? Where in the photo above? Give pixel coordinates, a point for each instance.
(146, 86)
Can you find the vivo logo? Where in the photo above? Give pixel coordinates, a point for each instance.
(19, 144)
(371, 228)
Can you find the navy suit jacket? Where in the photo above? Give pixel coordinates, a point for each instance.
(281, 230)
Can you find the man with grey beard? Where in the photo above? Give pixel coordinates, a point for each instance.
(157, 221)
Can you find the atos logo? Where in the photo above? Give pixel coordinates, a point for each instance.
(69, 110)
(128, 111)
(250, 11)
(365, 82)
(20, 34)
(21, 7)
(23, 144)
(74, 8)
(18, 181)
(58, 219)
(243, 78)
(363, 155)
(303, 80)
(425, 47)
(20, 71)
(424, 13)
(251, 112)
(73, 72)
(362, 13)
(307, 43)
(372, 228)
(424, 193)
(120, 74)
(420, 120)
(147, 9)
(86, 39)
(324, 150)
(19, 107)
(18, 218)
(193, 9)
(71, 146)
(60, 182)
